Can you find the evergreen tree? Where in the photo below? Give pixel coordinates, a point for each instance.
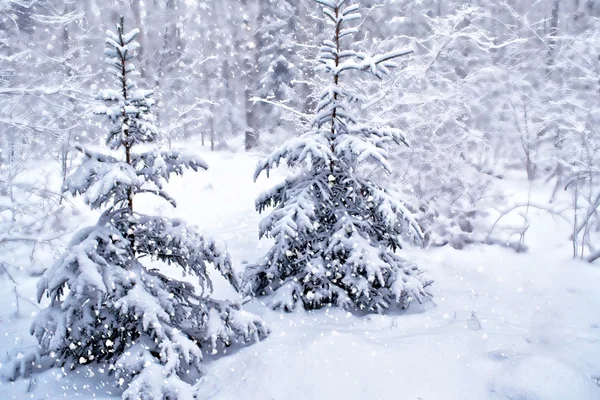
(110, 301)
(278, 59)
(336, 232)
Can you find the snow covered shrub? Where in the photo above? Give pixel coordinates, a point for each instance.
(31, 223)
(446, 95)
(336, 233)
(575, 139)
(111, 300)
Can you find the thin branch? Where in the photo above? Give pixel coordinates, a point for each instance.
(593, 257)
(305, 117)
(526, 205)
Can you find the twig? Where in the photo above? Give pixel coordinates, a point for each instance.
(593, 257)
(539, 207)
(305, 117)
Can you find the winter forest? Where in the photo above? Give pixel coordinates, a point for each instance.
(300, 199)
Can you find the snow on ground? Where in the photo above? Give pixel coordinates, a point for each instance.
(502, 325)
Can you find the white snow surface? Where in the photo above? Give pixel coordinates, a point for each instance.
(501, 325)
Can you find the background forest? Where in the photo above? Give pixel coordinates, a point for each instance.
(499, 103)
(492, 87)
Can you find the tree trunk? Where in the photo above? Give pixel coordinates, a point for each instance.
(553, 32)
(211, 117)
(65, 142)
(126, 143)
(248, 43)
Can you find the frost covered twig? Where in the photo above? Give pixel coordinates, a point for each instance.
(542, 207)
(305, 117)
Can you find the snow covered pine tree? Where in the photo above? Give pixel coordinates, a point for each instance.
(336, 232)
(108, 307)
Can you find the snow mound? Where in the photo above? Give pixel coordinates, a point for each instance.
(544, 378)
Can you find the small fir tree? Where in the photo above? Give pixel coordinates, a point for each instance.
(110, 301)
(336, 233)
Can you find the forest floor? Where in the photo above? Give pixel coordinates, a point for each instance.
(501, 325)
